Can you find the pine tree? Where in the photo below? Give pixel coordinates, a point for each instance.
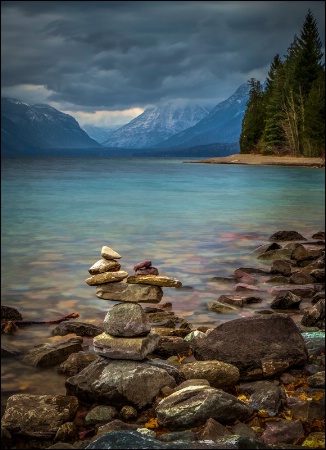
(253, 120)
(273, 136)
(315, 118)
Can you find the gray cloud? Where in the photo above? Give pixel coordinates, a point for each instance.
(118, 55)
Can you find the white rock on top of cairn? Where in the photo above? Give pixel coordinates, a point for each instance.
(109, 253)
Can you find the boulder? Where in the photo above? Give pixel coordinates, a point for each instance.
(282, 267)
(76, 362)
(38, 415)
(217, 373)
(302, 290)
(315, 316)
(51, 354)
(275, 345)
(286, 300)
(101, 414)
(264, 395)
(186, 407)
(286, 236)
(78, 328)
(119, 383)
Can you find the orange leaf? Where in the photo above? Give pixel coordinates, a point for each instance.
(152, 423)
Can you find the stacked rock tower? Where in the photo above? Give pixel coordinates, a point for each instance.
(127, 330)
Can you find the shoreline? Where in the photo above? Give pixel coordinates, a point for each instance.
(261, 160)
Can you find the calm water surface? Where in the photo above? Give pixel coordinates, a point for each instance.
(193, 221)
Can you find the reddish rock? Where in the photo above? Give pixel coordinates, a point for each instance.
(147, 271)
(143, 265)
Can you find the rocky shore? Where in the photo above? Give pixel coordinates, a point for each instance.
(265, 160)
(152, 380)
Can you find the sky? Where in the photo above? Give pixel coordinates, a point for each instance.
(105, 62)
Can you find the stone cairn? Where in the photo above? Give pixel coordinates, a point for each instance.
(127, 330)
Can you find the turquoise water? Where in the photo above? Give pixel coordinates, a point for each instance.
(193, 221)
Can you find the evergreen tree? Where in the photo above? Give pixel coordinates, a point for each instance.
(273, 136)
(315, 118)
(253, 120)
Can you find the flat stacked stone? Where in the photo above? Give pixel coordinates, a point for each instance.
(127, 329)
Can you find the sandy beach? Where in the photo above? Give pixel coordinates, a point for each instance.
(261, 160)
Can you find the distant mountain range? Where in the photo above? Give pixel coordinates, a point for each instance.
(170, 130)
(155, 125)
(100, 134)
(26, 129)
(222, 124)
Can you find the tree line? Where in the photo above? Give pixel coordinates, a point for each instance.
(286, 115)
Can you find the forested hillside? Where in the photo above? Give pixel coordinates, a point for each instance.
(288, 115)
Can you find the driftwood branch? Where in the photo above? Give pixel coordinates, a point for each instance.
(8, 326)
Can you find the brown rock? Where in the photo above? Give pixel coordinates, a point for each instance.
(109, 253)
(143, 265)
(155, 280)
(104, 265)
(106, 277)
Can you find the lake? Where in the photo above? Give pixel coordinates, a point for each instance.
(193, 221)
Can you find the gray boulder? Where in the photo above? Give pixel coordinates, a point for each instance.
(127, 320)
(260, 346)
(186, 407)
(119, 383)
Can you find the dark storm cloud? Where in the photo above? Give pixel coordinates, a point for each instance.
(117, 55)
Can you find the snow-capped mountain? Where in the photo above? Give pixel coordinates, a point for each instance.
(222, 125)
(100, 134)
(155, 125)
(26, 127)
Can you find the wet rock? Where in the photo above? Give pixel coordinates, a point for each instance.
(286, 236)
(76, 362)
(172, 345)
(109, 253)
(317, 380)
(319, 235)
(79, 328)
(213, 430)
(133, 439)
(300, 277)
(127, 320)
(304, 291)
(247, 287)
(38, 415)
(196, 334)
(315, 342)
(135, 348)
(239, 300)
(244, 277)
(264, 395)
(318, 275)
(282, 431)
(241, 429)
(186, 435)
(259, 270)
(286, 300)
(217, 373)
(309, 411)
(278, 279)
(101, 414)
(188, 406)
(147, 271)
(154, 280)
(9, 313)
(283, 253)
(317, 297)
(6, 440)
(128, 413)
(143, 265)
(8, 351)
(267, 248)
(106, 277)
(302, 253)
(191, 382)
(164, 319)
(51, 354)
(115, 425)
(275, 344)
(104, 265)
(282, 267)
(119, 382)
(168, 367)
(124, 292)
(315, 316)
(66, 432)
(221, 308)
